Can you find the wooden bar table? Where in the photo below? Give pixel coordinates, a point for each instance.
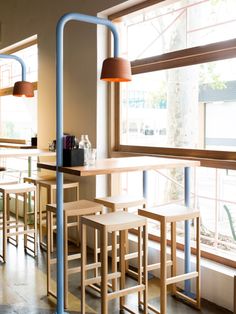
(140, 163)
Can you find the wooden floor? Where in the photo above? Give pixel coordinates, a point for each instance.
(23, 290)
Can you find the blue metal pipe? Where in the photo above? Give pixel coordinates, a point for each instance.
(145, 184)
(23, 66)
(187, 246)
(59, 135)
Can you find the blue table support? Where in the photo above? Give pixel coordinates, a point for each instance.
(187, 245)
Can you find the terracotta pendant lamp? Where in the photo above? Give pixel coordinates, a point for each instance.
(21, 88)
(116, 70)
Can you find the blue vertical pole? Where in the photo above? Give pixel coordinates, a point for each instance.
(145, 184)
(59, 162)
(59, 130)
(187, 247)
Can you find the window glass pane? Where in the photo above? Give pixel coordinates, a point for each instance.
(187, 107)
(18, 117)
(182, 24)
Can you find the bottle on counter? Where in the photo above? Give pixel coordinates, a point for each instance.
(86, 145)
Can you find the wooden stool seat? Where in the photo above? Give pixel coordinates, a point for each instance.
(29, 226)
(34, 179)
(121, 201)
(107, 223)
(8, 181)
(17, 188)
(114, 221)
(171, 214)
(75, 210)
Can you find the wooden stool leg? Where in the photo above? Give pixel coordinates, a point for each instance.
(77, 192)
(139, 265)
(95, 251)
(198, 256)
(83, 264)
(122, 266)
(17, 219)
(65, 261)
(25, 219)
(173, 254)
(104, 270)
(50, 201)
(4, 231)
(8, 215)
(163, 289)
(35, 224)
(77, 230)
(48, 223)
(126, 245)
(114, 258)
(40, 217)
(145, 273)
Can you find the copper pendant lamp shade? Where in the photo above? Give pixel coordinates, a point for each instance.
(23, 88)
(116, 70)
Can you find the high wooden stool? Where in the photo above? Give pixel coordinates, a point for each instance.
(75, 210)
(50, 186)
(107, 223)
(116, 203)
(171, 214)
(24, 189)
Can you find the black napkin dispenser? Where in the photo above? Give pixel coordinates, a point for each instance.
(73, 157)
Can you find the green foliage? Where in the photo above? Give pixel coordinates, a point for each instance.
(209, 76)
(158, 97)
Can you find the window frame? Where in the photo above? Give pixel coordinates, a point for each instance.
(190, 56)
(195, 55)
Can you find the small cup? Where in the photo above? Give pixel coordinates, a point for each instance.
(92, 155)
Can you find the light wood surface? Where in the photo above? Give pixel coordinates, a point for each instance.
(171, 214)
(15, 145)
(50, 186)
(117, 221)
(7, 225)
(123, 164)
(121, 201)
(25, 152)
(70, 210)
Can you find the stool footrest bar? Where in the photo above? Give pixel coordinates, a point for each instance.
(181, 277)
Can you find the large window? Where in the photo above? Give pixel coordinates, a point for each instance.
(182, 102)
(18, 116)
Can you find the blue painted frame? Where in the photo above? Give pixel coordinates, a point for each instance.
(59, 135)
